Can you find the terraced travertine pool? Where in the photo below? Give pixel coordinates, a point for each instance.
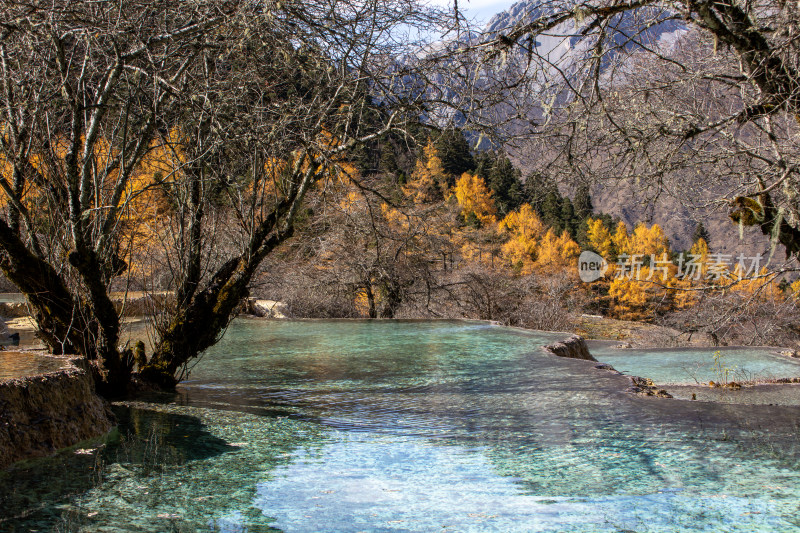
(688, 371)
(414, 426)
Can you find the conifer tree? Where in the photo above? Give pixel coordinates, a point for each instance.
(475, 200)
(599, 238)
(583, 203)
(700, 232)
(550, 211)
(524, 229)
(535, 189)
(428, 181)
(568, 222)
(504, 182)
(454, 152)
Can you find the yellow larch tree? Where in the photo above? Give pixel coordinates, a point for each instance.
(630, 296)
(682, 293)
(146, 205)
(475, 199)
(31, 193)
(599, 237)
(762, 286)
(6, 171)
(524, 229)
(648, 241)
(696, 263)
(428, 179)
(620, 239)
(642, 282)
(557, 253)
(795, 288)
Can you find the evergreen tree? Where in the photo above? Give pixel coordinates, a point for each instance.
(608, 220)
(484, 161)
(581, 235)
(568, 220)
(472, 220)
(454, 152)
(583, 202)
(700, 232)
(536, 188)
(550, 211)
(784, 285)
(504, 182)
(388, 160)
(557, 211)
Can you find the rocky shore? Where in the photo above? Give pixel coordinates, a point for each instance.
(43, 413)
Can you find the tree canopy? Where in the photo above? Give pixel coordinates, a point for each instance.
(204, 124)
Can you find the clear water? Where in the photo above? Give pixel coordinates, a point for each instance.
(681, 366)
(785, 394)
(414, 426)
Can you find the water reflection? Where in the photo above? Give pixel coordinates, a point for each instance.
(163, 470)
(368, 483)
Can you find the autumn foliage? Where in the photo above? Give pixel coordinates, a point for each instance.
(475, 199)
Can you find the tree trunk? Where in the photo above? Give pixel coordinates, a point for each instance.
(372, 313)
(199, 322)
(393, 299)
(67, 326)
(198, 325)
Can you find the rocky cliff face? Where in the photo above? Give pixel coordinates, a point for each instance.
(41, 414)
(562, 47)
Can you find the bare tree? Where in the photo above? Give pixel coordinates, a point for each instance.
(242, 106)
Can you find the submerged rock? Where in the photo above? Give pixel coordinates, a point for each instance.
(573, 347)
(782, 380)
(608, 368)
(728, 385)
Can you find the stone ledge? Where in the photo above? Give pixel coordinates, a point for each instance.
(43, 413)
(266, 308)
(574, 347)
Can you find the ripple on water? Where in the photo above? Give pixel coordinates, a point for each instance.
(415, 426)
(690, 366)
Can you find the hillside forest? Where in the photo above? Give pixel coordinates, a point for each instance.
(436, 230)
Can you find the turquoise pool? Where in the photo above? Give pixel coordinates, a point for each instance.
(691, 366)
(414, 426)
